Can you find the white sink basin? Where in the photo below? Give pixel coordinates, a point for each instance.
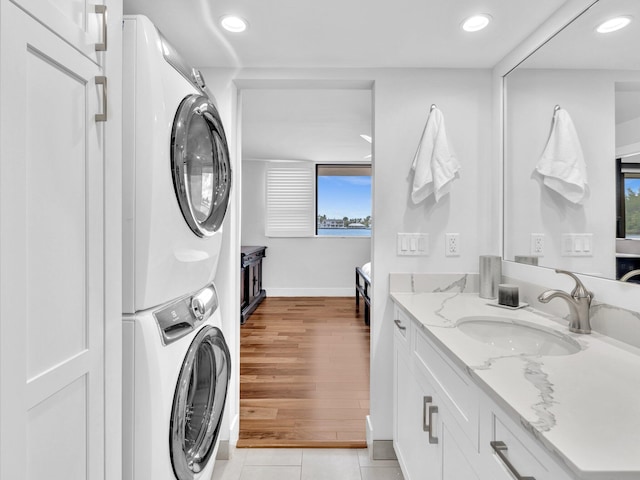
(517, 336)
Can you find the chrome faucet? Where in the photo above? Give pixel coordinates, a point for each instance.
(630, 274)
(579, 303)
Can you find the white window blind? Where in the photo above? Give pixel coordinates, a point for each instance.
(290, 199)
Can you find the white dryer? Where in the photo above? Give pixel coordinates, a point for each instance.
(176, 172)
(174, 389)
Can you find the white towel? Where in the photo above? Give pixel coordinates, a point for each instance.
(434, 166)
(562, 162)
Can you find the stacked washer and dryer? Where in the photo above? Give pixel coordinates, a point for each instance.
(176, 185)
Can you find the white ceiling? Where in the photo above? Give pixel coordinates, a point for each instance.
(315, 125)
(344, 33)
(325, 126)
(579, 45)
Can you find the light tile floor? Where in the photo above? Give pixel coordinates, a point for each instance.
(304, 464)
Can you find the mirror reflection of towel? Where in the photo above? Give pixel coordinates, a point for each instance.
(434, 166)
(562, 163)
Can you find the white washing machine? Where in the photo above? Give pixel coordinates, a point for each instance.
(176, 172)
(174, 396)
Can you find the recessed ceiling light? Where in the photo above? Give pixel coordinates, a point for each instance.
(614, 24)
(233, 23)
(476, 22)
(366, 137)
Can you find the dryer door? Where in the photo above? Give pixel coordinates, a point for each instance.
(200, 165)
(198, 403)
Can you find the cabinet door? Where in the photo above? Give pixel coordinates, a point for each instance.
(52, 255)
(418, 458)
(455, 466)
(79, 22)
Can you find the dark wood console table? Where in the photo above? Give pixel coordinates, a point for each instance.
(251, 292)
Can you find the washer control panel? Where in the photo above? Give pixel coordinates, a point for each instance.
(182, 316)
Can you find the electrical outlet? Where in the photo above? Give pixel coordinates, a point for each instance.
(537, 244)
(452, 244)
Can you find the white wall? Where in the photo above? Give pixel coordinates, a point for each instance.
(306, 266)
(220, 83)
(402, 100)
(628, 137)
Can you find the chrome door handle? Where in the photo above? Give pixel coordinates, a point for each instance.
(102, 80)
(500, 448)
(102, 10)
(399, 325)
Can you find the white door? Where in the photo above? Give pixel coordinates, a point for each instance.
(52, 256)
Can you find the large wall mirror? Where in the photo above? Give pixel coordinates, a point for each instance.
(590, 80)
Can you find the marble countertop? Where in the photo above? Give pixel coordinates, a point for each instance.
(583, 408)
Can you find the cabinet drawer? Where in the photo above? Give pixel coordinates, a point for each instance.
(457, 392)
(402, 327)
(512, 453)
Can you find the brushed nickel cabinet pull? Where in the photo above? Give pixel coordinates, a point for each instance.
(425, 401)
(432, 409)
(102, 80)
(399, 325)
(102, 10)
(500, 448)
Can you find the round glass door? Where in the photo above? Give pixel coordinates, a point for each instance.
(200, 165)
(198, 403)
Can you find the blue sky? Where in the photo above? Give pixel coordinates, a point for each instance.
(632, 183)
(348, 196)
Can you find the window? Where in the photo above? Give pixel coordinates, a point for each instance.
(343, 200)
(628, 200)
(290, 199)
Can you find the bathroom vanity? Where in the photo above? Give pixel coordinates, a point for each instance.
(505, 394)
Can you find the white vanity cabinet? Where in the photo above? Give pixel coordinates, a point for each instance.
(446, 427)
(425, 430)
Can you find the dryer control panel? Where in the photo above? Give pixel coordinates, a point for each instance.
(181, 317)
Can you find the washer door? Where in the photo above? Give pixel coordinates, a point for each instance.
(198, 403)
(200, 165)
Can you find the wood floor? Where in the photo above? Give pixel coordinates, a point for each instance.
(304, 374)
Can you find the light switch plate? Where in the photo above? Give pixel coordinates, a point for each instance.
(413, 244)
(577, 244)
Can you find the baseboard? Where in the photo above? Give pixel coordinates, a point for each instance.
(383, 450)
(223, 450)
(311, 292)
(379, 449)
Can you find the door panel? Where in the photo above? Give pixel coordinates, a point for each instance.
(51, 251)
(75, 20)
(55, 212)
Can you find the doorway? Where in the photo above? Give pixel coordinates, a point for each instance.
(304, 352)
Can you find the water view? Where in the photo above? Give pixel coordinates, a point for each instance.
(345, 232)
(344, 206)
